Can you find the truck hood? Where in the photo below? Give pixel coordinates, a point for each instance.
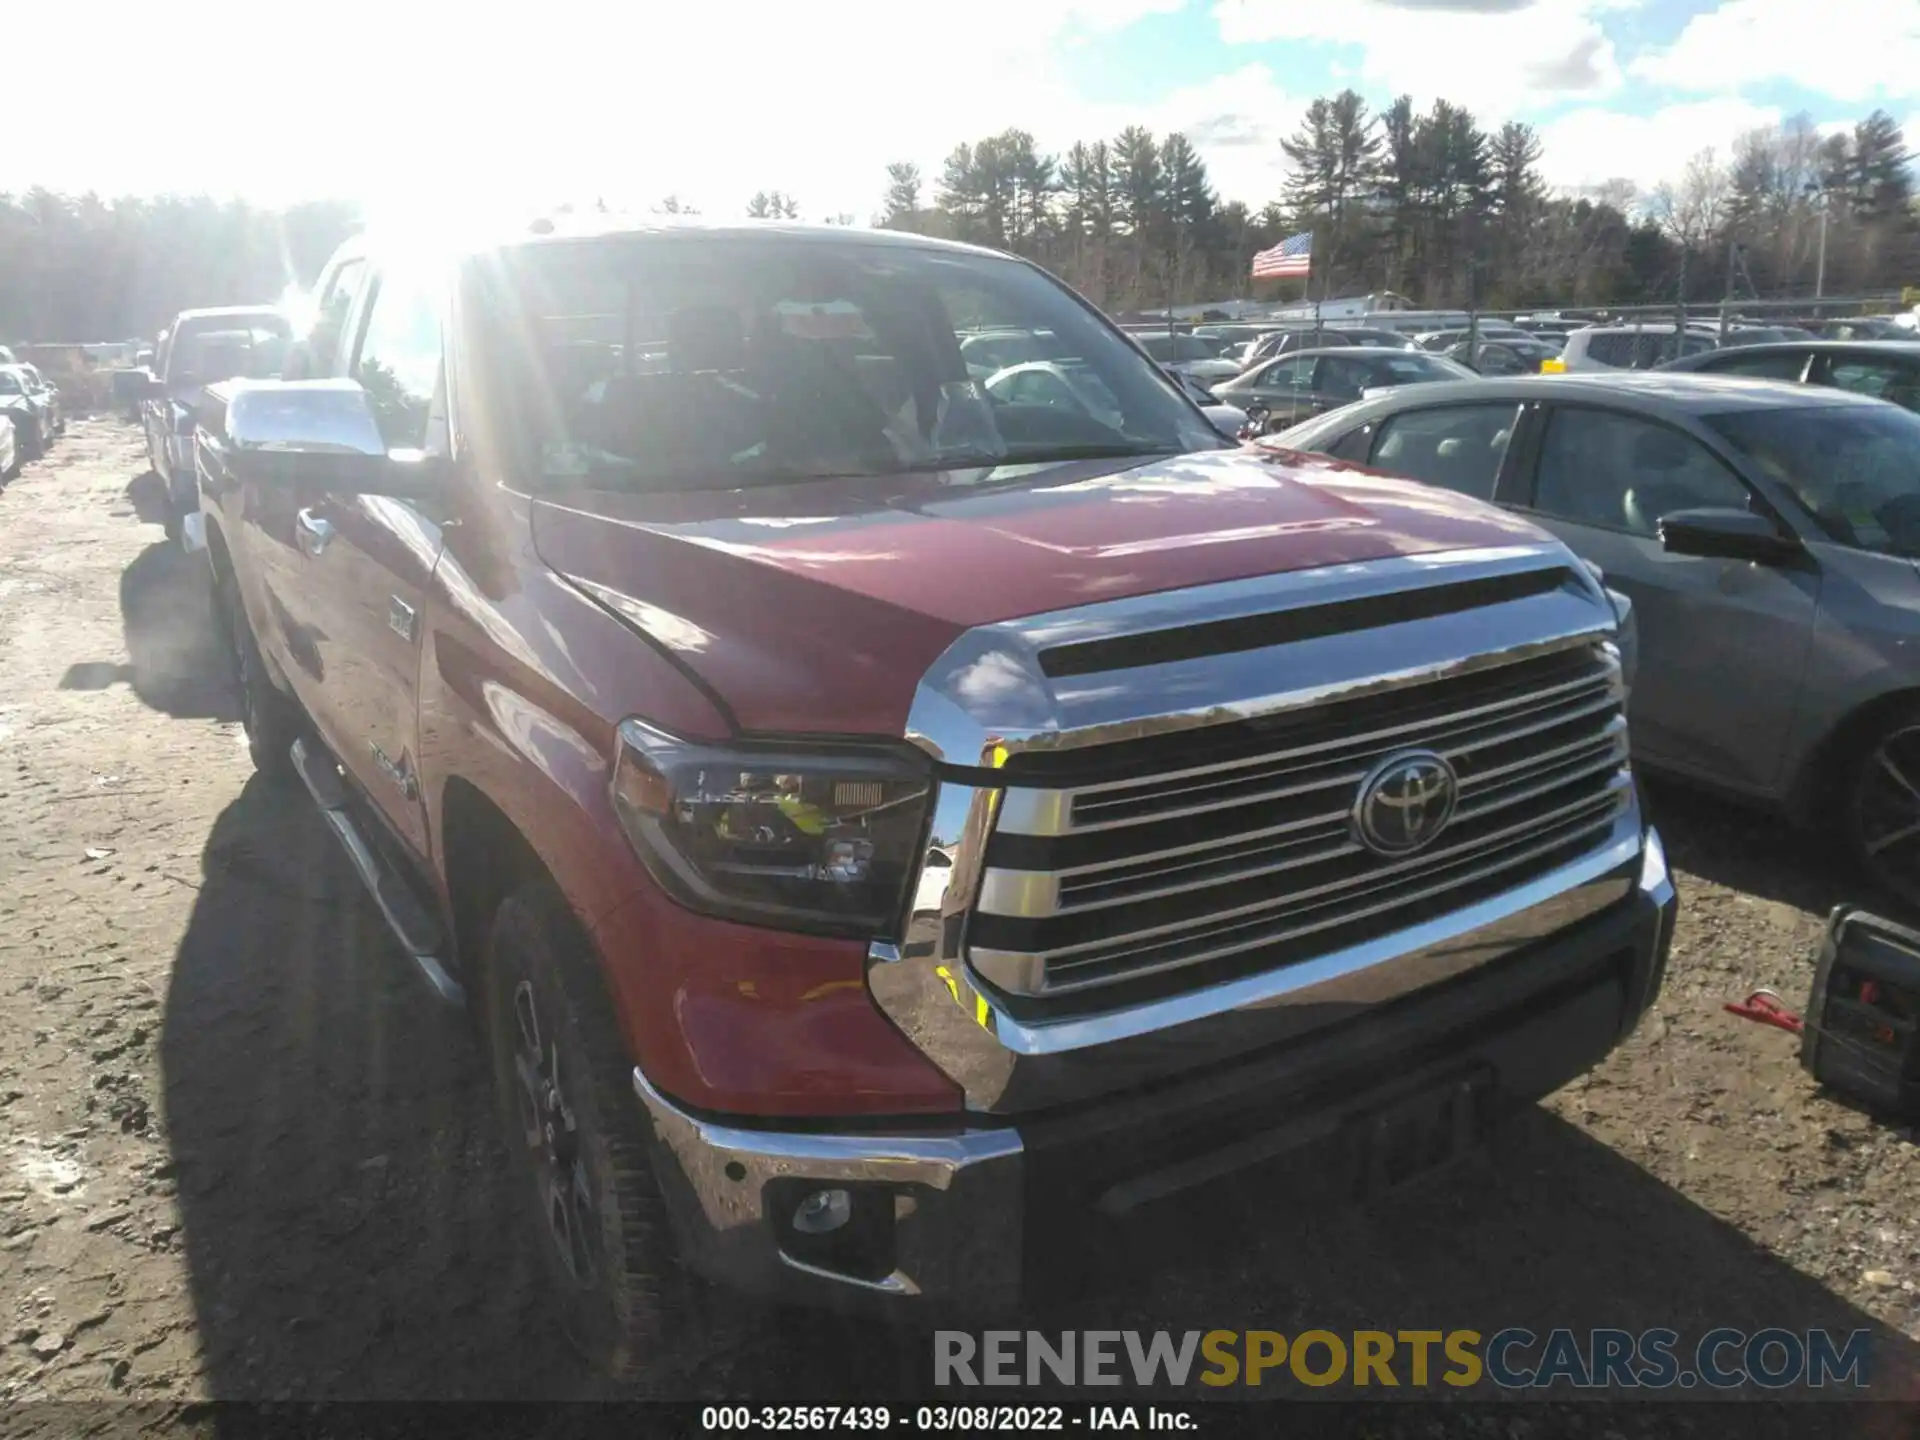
(816, 608)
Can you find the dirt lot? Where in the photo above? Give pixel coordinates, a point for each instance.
(240, 1157)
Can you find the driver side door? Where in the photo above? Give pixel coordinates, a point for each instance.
(1723, 643)
(370, 558)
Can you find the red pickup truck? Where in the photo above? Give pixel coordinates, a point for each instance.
(867, 815)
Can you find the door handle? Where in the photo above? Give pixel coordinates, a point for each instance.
(312, 531)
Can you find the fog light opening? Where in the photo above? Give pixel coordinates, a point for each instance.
(823, 1212)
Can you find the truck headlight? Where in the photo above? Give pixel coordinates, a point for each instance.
(799, 837)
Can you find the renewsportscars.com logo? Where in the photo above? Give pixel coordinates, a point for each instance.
(1513, 1358)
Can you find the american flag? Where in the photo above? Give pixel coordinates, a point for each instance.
(1292, 256)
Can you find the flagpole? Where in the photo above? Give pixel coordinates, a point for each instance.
(1321, 300)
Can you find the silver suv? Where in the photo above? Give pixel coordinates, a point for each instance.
(1629, 347)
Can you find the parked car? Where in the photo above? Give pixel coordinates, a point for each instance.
(1884, 369)
(198, 349)
(48, 394)
(1766, 534)
(1187, 355)
(989, 352)
(1325, 337)
(1552, 331)
(11, 454)
(1861, 327)
(1231, 339)
(1507, 355)
(1075, 387)
(1294, 387)
(1439, 341)
(1746, 333)
(1627, 347)
(863, 830)
(28, 411)
(1229, 420)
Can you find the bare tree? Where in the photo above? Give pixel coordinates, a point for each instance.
(1692, 210)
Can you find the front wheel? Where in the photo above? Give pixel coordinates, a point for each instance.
(577, 1142)
(272, 721)
(1880, 806)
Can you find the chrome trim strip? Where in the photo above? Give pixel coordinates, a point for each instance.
(1057, 986)
(1039, 894)
(1613, 735)
(1004, 886)
(988, 691)
(1532, 699)
(372, 870)
(1598, 802)
(962, 1237)
(1006, 1064)
(1032, 810)
(1036, 1038)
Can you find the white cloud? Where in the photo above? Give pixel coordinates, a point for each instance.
(1497, 56)
(1850, 49)
(389, 103)
(1586, 148)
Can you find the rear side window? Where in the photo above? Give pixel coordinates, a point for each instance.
(1456, 447)
(1623, 473)
(1865, 377)
(1611, 349)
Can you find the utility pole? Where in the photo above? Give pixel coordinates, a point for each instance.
(1820, 269)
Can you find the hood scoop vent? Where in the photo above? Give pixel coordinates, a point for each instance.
(1283, 627)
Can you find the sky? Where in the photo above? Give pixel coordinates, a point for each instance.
(431, 109)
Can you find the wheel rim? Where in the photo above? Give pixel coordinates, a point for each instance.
(1887, 810)
(550, 1130)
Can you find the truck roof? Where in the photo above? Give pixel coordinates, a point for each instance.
(225, 312)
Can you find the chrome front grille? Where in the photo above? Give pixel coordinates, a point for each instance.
(1156, 865)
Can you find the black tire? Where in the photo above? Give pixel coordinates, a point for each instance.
(272, 721)
(578, 1143)
(1879, 805)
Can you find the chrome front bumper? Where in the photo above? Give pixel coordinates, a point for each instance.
(960, 1203)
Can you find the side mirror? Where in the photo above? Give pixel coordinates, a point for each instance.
(1715, 533)
(318, 434)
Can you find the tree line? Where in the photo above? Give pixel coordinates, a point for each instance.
(1429, 203)
(83, 268)
(1434, 205)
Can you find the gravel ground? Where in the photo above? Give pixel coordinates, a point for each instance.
(241, 1158)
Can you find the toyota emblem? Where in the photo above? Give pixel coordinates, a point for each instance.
(1405, 802)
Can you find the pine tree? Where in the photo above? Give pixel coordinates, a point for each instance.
(903, 196)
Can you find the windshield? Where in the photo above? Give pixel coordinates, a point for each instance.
(10, 383)
(1855, 468)
(635, 362)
